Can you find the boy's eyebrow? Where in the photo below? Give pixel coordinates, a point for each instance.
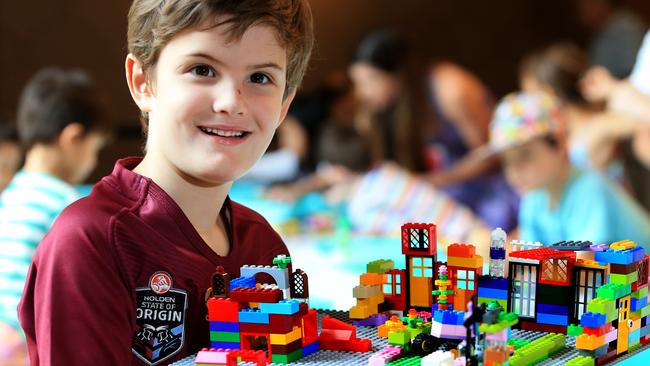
(272, 65)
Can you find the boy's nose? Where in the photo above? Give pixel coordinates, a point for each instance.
(229, 100)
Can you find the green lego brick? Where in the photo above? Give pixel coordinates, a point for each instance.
(380, 266)
(506, 320)
(633, 347)
(518, 343)
(614, 291)
(581, 361)
(611, 316)
(645, 311)
(538, 350)
(230, 337)
(624, 279)
(485, 300)
(399, 337)
(407, 361)
(601, 306)
(295, 355)
(640, 294)
(413, 332)
(574, 330)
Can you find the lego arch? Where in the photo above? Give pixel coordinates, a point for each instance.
(280, 275)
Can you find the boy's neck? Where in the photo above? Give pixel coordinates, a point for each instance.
(556, 188)
(201, 205)
(45, 159)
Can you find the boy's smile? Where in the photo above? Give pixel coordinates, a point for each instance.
(215, 103)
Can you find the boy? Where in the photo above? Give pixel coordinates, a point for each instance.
(59, 123)
(121, 278)
(11, 155)
(558, 202)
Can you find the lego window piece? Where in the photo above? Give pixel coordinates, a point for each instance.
(587, 282)
(388, 285)
(642, 270)
(422, 267)
(555, 270)
(522, 301)
(418, 239)
(299, 285)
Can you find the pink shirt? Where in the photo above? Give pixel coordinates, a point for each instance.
(121, 277)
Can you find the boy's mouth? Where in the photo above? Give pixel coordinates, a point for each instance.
(223, 133)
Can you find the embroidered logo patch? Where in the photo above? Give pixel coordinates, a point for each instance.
(160, 316)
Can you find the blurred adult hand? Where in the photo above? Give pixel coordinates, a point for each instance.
(598, 84)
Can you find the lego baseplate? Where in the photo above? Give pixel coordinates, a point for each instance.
(336, 358)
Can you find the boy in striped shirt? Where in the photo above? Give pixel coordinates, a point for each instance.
(59, 123)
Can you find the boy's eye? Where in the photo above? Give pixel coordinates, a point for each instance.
(202, 70)
(259, 78)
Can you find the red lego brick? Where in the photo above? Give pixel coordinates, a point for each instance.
(309, 328)
(223, 310)
(245, 342)
(254, 328)
(548, 328)
(352, 345)
(540, 254)
(602, 330)
(258, 357)
(461, 250)
(285, 349)
(645, 340)
(281, 324)
(247, 295)
(329, 323)
(607, 358)
(304, 309)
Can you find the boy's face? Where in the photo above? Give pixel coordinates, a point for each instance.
(215, 105)
(533, 165)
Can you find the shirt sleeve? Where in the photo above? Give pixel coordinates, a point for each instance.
(76, 308)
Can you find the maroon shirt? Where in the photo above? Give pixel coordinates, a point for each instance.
(121, 277)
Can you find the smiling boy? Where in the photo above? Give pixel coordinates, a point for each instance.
(122, 276)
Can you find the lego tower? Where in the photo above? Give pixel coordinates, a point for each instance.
(498, 253)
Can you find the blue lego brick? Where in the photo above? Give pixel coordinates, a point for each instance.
(309, 349)
(495, 283)
(497, 253)
(253, 316)
(553, 309)
(645, 330)
(634, 337)
(592, 320)
(448, 317)
(224, 327)
(284, 307)
(572, 245)
(552, 319)
(247, 282)
(638, 304)
(620, 256)
(493, 294)
(224, 345)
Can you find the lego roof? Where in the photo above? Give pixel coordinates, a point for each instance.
(542, 253)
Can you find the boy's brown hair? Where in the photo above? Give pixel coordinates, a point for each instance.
(153, 23)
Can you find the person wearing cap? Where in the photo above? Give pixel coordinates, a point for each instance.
(558, 201)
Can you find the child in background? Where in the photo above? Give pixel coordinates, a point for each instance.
(123, 275)
(558, 202)
(11, 155)
(59, 122)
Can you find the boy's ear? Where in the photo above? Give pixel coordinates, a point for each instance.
(70, 135)
(285, 106)
(138, 83)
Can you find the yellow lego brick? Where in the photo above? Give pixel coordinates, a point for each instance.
(371, 301)
(589, 342)
(284, 339)
(588, 264)
(475, 262)
(362, 312)
(445, 283)
(390, 326)
(370, 279)
(623, 245)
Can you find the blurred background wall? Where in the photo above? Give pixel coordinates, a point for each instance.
(488, 37)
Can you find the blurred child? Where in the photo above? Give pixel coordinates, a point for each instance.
(558, 202)
(462, 107)
(124, 274)
(60, 124)
(11, 155)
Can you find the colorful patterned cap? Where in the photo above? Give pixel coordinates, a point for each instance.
(521, 117)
